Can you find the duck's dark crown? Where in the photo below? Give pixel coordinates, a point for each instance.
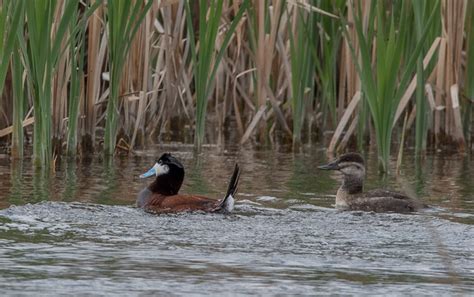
(351, 157)
(168, 159)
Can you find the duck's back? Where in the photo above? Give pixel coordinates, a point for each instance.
(178, 203)
(384, 201)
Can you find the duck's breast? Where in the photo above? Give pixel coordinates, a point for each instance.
(143, 197)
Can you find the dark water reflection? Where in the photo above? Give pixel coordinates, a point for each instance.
(74, 231)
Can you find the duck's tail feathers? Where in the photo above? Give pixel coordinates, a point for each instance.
(227, 204)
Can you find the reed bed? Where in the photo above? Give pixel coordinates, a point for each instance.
(92, 76)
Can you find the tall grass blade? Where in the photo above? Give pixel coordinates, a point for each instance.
(206, 61)
(123, 19)
(302, 67)
(18, 104)
(13, 31)
(77, 56)
(11, 20)
(422, 11)
(384, 89)
(421, 116)
(326, 52)
(41, 53)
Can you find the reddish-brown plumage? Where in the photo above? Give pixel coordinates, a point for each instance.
(180, 203)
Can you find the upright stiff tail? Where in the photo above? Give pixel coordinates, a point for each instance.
(227, 204)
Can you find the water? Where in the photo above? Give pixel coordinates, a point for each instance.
(75, 231)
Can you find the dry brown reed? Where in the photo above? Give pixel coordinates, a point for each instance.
(252, 92)
(447, 122)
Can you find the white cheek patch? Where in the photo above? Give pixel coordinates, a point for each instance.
(161, 169)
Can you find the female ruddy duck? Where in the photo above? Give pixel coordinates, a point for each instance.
(350, 195)
(161, 196)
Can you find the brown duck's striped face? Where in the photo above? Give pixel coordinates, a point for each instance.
(350, 164)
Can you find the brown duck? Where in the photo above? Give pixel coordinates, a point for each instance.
(350, 195)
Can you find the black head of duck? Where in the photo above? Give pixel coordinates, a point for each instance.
(161, 196)
(351, 195)
(169, 175)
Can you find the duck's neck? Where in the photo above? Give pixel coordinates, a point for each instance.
(165, 186)
(350, 186)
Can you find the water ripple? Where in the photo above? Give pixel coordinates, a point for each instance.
(255, 250)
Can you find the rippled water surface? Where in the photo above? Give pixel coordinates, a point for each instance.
(75, 230)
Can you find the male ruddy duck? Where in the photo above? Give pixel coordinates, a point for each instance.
(350, 195)
(161, 196)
